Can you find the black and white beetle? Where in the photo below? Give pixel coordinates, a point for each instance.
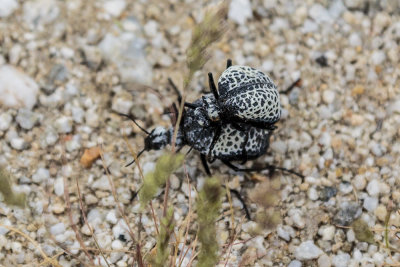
(245, 96)
(224, 140)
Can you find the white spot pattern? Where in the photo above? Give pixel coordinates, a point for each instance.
(249, 94)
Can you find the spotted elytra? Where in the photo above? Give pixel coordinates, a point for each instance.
(246, 95)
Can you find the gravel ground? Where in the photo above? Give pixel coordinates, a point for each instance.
(66, 66)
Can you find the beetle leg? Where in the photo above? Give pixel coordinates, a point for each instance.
(205, 165)
(290, 88)
(237, 194)
(271, 168)
(178, 93)
(228, 63)
(175, 88)
(217, 134)
(211, 83)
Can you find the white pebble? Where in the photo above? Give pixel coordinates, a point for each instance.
(151, 28)
(328, 96)
(355, 40)
(59, 186)
(112, 217)
(345, 188)
(327, 232)
(373, 188)
(279, 147)
(5, 121)
(378, 57)
(116, 244)
(324, 261)
(297, 218)
(351, 236)
(370, 203)
(325, 139)
(57, 229)
(16, 247)
(40, 175)
(307, 251)
(295, 263)
(26, 118)
(312, 194)
(63, 124)
(122, 105)
(18, 143)
(240, 11)
(17, 90)
(7, 7)
(285, 232)
(359, 182)
(341, 260)
(319, 14)
(114, 7)
(102, 183)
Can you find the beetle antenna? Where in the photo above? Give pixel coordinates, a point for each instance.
(132, 119)
(138, 155)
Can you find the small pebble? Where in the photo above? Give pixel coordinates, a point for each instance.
(307, 251)
(18, 143)
(373, 188)
(285, 232)
(312, 194)
(17, 90)
(328, 96)
(345, 188)
(327, 232)
(324, 261)
(59, 186)
(26, 118)
(295, 263)
(7, 7)
(347, 213)
(381, 213)
(341, 260)
(63, 124)
(57, 229)
(370, 203)
(114, 7)
(240, 11)
(41, 174)
(327, 193)
(111, 217)
(5, 121)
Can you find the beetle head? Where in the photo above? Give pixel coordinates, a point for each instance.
(157, 139)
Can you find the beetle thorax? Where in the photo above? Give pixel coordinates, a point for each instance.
(210, 105)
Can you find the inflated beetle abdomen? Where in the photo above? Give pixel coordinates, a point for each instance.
(249, 94)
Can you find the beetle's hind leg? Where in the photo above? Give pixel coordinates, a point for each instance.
(240, 198)
(211, 83)
(217, 134)
(228, 63)
(178, 93)
(205, 164)
(290, 88)
(268, 167)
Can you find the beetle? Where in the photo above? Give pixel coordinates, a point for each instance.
(245, 96)
(235, 140)
(197, 132)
